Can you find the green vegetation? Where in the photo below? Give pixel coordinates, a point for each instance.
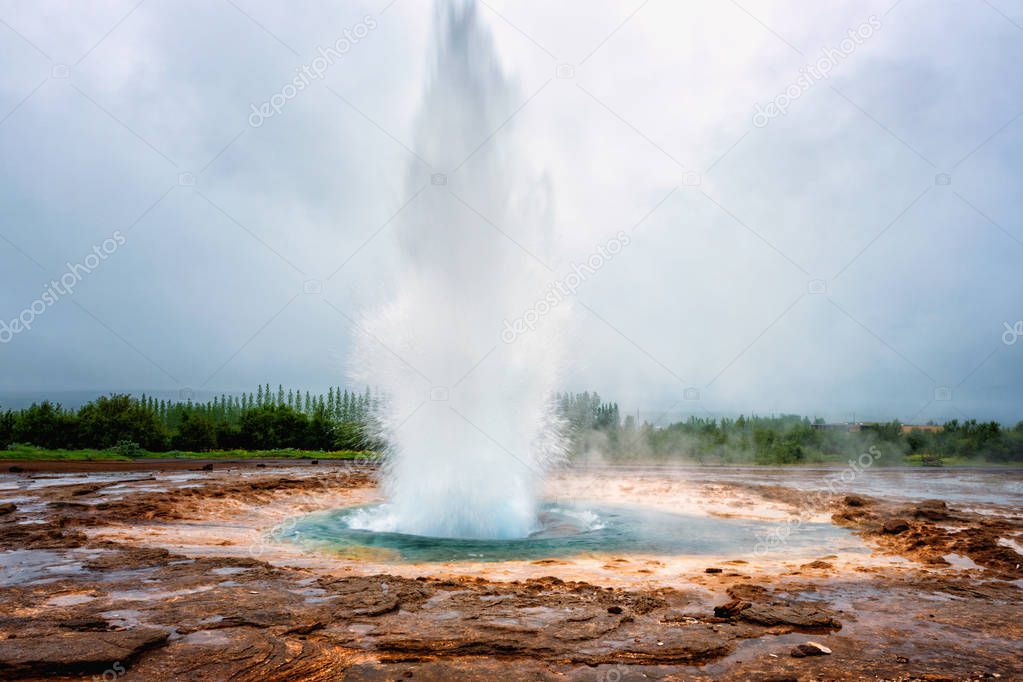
(31, 453)
(788, 439)
(264, 421)
(340, 424)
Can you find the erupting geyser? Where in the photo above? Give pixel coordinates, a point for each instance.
(467, 411)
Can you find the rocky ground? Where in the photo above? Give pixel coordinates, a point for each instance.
(89, 586)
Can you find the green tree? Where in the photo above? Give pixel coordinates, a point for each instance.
(108, 420)
(272, 426)
(47, 426)
(320, 433)
(7, 421)
(350, 435)
(196, 433)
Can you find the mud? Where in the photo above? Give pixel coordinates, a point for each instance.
(165, 575)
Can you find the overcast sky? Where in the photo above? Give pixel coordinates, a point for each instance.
(857, 254)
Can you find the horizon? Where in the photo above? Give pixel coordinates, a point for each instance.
(74, 399)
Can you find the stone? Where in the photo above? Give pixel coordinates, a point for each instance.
(796, 614)
(819, 563)
(732, 609)
(895, 526)
(932, 510)
(75, 652)
(810, 649)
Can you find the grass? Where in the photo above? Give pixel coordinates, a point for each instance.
(34, 454)
(937, 461)
(31, 453)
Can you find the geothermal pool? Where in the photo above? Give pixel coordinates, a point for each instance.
(640, 570)
(563, 531)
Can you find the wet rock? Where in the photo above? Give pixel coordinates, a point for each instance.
(748, 592)
(895, 526)
(693, 644)
(799, 614)
(819, 563)
(243, 654)
(680, 616)
(712, 570)
(15, 469)
(7, 508)
(207, 467)
(752, 604)
(39, 536)
(192, 502)
(129, 557)
(75, 652)
(932, 510)
(372, 595)
(810, 649)
(855, 501)
(732, 609)
(86, 624)
(280, 624)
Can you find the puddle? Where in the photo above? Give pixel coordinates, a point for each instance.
(123, 618)
(69, 600)
(34, 566)
(206, 638)
(150, 595)
(229, 570)
(962, 563)
(1011, 544)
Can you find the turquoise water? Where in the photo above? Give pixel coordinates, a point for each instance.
(565, 531)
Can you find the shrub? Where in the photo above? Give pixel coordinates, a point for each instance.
(272, 426)
(6, 427)
(107, 421)
(46, 425)
(128, 448)
(195, 433)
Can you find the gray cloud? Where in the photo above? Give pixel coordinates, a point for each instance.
(714, 290)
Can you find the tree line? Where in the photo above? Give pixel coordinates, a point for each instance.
(263, 420)
(342, 419)
(597, 428)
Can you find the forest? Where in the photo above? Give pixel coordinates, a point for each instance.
(264, 420)
(342, 420)
(599, 432)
